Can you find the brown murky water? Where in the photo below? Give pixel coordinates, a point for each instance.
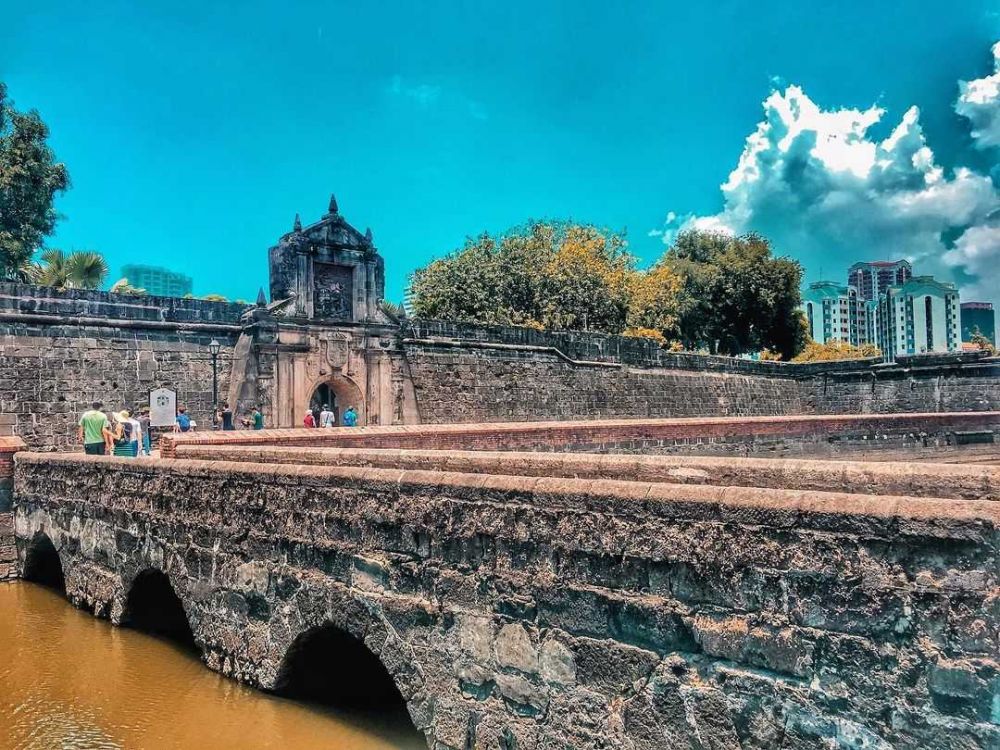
(71, 681)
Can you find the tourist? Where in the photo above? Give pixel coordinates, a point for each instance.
(125, 445)
(258, 418)
(136, 433)
(326, 417)
(183, 422)
(226, 416)
(350, 417)
(94, 430)
(309, 420)
(316, 415)
(147, 441)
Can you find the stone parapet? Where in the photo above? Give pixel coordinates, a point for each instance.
(28, 299)
(712, 434)
(962, 481)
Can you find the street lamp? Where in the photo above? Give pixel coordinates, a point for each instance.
(213, 348)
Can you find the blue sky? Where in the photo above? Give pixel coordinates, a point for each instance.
(194, 132)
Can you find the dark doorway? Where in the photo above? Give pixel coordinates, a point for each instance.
(42, 564)
(329, 666)
(152, 606)
(324, 394)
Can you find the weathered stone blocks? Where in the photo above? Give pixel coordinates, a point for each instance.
(560, 613)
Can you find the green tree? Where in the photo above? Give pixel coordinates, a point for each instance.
(544, 275)
(654, 302)
(81, 269)
(587, 281)
(30, 178)
(736, 296)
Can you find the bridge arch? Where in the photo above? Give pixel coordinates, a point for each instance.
(42, 563)
(354, 660)
(326, 664)
(153, 606)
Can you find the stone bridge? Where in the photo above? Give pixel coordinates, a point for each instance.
(529, 600)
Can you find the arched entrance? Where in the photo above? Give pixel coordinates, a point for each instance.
(42, 564)
(338, 393)
(154, 607)
(329, 666)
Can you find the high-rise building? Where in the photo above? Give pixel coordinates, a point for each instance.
(836, 313)
(979, 315)
(917, 317)
(158, 281)
(871, 279)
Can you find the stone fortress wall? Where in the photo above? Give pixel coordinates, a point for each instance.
(61, 350)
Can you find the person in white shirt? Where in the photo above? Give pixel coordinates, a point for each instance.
(326, 417)
(136, 433)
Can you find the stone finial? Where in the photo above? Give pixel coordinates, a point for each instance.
(368, 235)
(333, 204)
(261, 299)
(297, 226)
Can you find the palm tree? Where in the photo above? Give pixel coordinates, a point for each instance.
(87, 269)
(80, 269)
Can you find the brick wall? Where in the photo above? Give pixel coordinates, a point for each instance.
(914, 384)
(470, 384)
(50, 375)
(493, 374)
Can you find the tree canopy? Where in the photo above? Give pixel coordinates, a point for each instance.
(30, 178)
(709, 291)
(736, 296)
(544, 275)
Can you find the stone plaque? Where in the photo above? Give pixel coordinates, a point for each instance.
(162, 407)
(334, 297)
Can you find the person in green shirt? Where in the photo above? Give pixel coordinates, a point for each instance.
(258, 419)
(95, 430)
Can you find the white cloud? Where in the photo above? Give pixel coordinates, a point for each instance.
(826, 191)
(979, 101)
(427, 95)
(423, 94)
(978, 252)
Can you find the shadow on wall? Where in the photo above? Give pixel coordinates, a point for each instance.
(153, 607)
(42, 564)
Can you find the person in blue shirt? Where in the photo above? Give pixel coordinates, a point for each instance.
(183, 422)
(350, 418)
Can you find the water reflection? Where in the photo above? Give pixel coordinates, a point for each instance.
(72, 681)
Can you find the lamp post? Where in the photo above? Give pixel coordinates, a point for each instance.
(213, 348)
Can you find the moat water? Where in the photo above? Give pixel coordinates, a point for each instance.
(71, 681)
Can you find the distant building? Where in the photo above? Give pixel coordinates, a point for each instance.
(873, 278)
(979, 315)
(158, 281)
(917, 317)
(836, 313)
